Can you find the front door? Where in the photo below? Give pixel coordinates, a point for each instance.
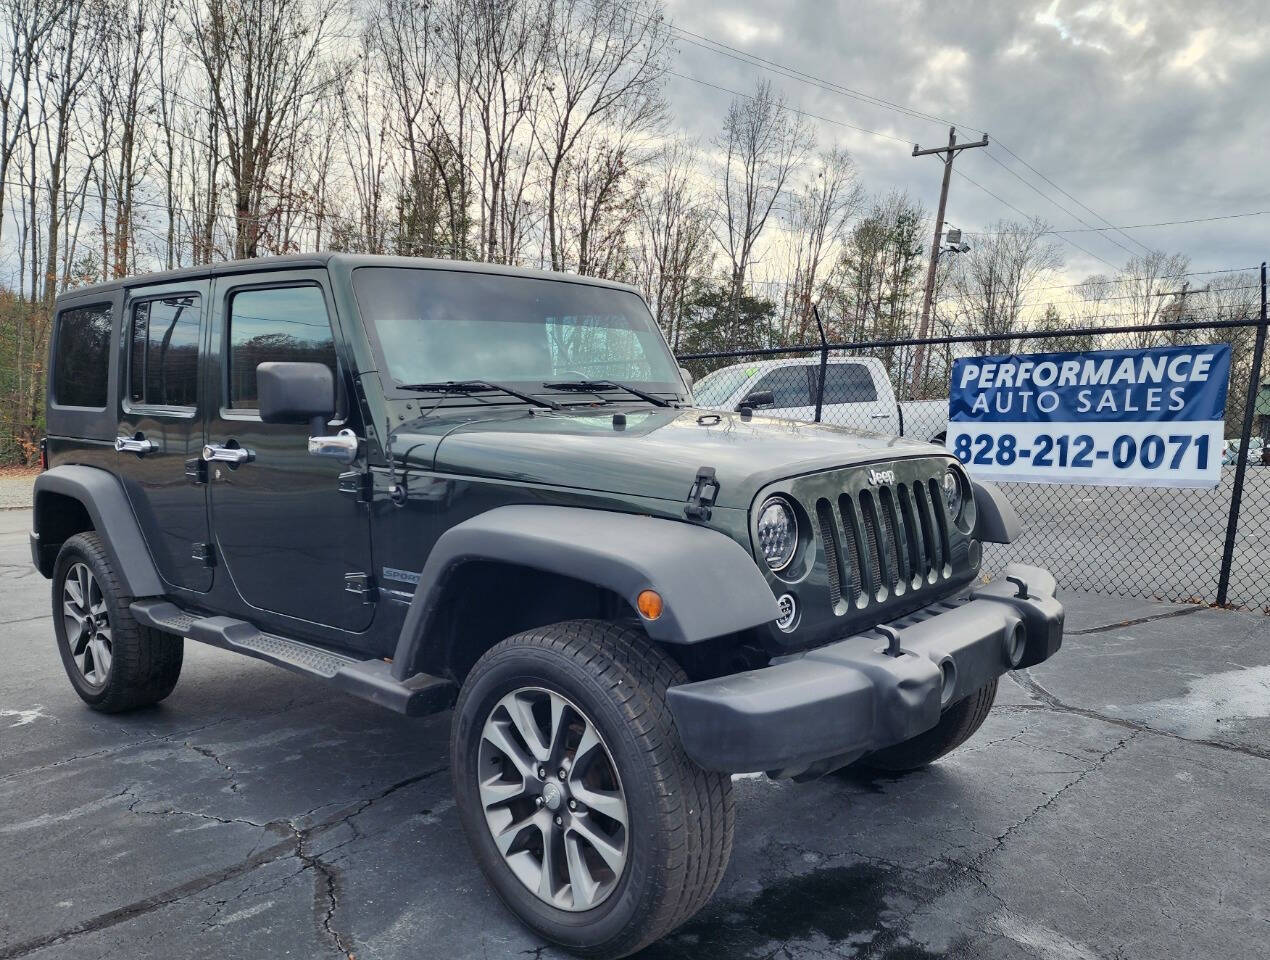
(296, 548)
(160, 432)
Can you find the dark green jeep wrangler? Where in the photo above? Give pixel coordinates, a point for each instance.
(442, 485)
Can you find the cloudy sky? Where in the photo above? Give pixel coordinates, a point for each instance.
(1143, 111)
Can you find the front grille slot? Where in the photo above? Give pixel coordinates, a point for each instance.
(927, 519)
(919, 564)
(853, 542)
(941, 519)
(879, 549)
(895, 539)
(838, 579)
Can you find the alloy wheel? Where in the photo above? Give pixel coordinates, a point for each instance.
(87, 623)
(552, 799)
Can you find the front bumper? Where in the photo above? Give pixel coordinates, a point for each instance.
(819, 710)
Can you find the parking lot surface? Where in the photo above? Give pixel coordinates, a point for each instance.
(1113, 806)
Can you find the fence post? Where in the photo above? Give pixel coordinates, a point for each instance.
(1241, 461)
(824, 361)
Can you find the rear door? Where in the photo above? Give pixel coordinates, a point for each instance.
(293, 544)
(160, 433)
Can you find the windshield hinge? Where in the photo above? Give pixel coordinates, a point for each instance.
(704, 492)
(358, 484)
(361, 584)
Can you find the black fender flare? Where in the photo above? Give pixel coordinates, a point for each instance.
(103, 497)
(710, 586)
(995, 519)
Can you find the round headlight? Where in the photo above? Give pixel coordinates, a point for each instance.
(953, 494)
(777, 532)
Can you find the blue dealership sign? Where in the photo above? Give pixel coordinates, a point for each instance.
(1125, 417)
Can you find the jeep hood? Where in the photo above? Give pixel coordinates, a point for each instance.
(655, 453)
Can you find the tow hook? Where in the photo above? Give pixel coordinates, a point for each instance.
(893, 648)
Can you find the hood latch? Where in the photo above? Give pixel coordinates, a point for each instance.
(704, 492)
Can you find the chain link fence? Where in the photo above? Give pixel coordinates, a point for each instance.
(1165, 543)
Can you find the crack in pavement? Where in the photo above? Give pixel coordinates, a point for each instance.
(294, 844)
(973, 870)
(234, 785)
(1133, 623)
(167, 737)
(1049, 701)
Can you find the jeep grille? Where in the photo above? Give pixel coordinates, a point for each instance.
(883, 542)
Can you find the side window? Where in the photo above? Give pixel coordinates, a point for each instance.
(849, 383)
(163, 352)
(81, 362)
(281, 323)
(789, 386)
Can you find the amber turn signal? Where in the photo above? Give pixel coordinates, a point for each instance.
(649, 604)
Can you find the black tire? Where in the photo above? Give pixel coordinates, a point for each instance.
(955, 727)
(144, 664)
(681, 818)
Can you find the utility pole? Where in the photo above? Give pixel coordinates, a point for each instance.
(948, 153)
(1182, 294)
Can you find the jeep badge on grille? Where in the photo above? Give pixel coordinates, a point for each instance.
(877, 477)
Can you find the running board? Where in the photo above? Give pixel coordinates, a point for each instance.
(371, 680)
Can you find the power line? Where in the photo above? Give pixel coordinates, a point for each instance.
(1007, 203)
(791, 109)
(1003, 146)
(1110, 280)
(1038, 192)
(1131, 226)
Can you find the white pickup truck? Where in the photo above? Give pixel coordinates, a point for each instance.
(858, 393)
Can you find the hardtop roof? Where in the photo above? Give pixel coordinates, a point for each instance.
(351, 261)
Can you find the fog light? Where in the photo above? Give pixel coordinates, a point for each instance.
(649, 604)
(789, 612)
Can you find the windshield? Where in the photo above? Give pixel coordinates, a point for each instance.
(715, 388)
(439, 325)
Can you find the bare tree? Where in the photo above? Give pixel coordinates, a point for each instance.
(121, 96)
(674, 235)
(1140, 291)
(604, 66)
(819, 213)
(991, 282)
(267, 65)
(762, 143)
(506, 47)
(28, 25)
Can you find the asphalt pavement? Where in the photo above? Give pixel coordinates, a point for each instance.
(1113, 806)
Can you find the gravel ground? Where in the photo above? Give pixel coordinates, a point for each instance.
(1113, 807)
(15, 489)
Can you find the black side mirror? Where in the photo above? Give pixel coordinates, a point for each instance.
(758, 398)
(296, 393)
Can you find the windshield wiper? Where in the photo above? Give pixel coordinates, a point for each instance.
(594, 386)
(477, 386)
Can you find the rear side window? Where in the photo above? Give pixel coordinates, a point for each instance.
(849, 383)
(281, 323)
(163, 356)
(81, 362)
(789, 386)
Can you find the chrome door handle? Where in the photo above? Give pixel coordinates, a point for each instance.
(215, 453)
(138, 445)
